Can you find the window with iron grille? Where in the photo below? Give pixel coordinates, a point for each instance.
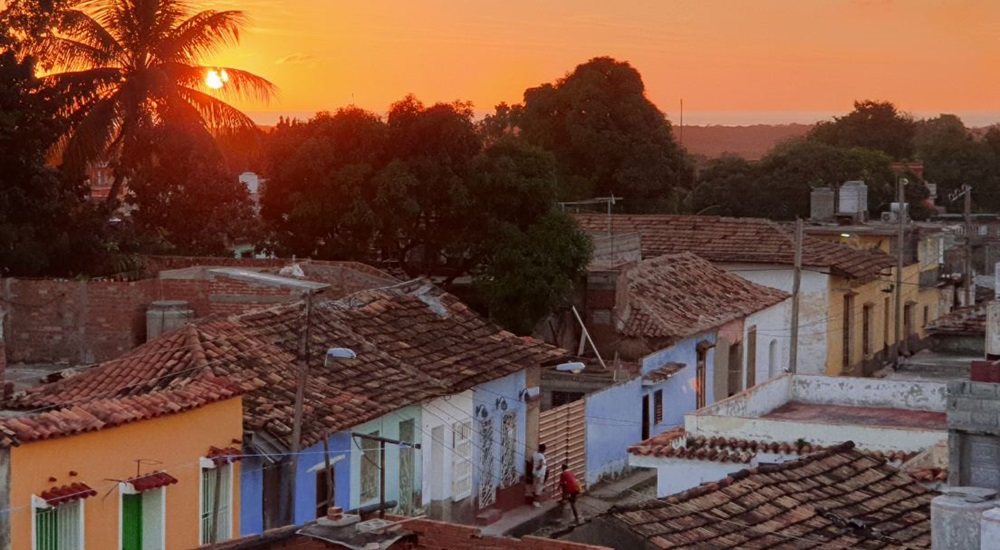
(59, 527)
(216, 503)
(369, 468)
(657, 406)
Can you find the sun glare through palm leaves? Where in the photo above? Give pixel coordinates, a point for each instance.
(216, 79)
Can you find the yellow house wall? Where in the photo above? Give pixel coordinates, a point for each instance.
(873, 294)
(176, 441)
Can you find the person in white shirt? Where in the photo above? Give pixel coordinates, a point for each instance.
(539, 471)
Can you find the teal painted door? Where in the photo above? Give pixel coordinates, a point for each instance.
(131, 522)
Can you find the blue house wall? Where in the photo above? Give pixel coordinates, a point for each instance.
(613, 423)
(252, 483)
(484, 399)
(679, 391)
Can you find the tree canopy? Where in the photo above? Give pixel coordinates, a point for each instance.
(424, 189)
(875, 125)
(607, 137)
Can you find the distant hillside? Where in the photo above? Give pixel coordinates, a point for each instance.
(750, 142)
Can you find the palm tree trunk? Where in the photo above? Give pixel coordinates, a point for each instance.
(116, 186)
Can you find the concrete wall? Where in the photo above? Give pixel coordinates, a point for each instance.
(773, 341)
(869, 392)
(756, 401)
(674, 475)
(814, 308)
(614, 422)
(680, 390)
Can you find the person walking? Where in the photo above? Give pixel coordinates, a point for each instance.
(570, 489)
(539, 472)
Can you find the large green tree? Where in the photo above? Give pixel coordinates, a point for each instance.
(876, 125)
(426, 191)
(606, 135)
(130, 65)
(184, 198)
(46, 225)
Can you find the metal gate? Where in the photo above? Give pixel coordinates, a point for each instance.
(487, 480)
(563, 430)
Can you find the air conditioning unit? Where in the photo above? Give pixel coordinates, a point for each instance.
(889, 217)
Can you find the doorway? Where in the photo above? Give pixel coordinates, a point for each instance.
(437, 463)
(645, 417)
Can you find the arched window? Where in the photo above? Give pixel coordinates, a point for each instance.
(772, 360)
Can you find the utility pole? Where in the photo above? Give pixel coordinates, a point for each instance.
(300, 392)
(793, 359)
(901, 199)
(969, 298)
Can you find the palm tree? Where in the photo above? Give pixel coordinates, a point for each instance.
(127, 66)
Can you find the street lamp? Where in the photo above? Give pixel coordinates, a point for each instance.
(338, 353)
(575, 367)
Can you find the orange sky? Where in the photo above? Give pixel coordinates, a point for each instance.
(739, 56)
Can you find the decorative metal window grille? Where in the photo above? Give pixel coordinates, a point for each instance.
(216, 504)
(59, 527)
(461, 460)
(407, 466)
(508, 450)
(369, 468)
(487, 483)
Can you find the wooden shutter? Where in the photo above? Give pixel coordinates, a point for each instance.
(132, 522)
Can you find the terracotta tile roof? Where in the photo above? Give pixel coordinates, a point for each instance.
(67, 493)
(682, 295)
(663, 373)
(165, 376)
(224, 456)
(928, 474)
(838, 498)
(677, 443)
(413, 341)
(150, 481)
(738, 240)
(965, 321)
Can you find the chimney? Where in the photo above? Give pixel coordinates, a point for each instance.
(166, 316)
(957, 517)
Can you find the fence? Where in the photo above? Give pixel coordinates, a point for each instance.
(563, 430)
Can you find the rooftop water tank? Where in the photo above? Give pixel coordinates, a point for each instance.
(821, 204)
(853, 197)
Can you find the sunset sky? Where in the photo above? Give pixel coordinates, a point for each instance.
(732, 61)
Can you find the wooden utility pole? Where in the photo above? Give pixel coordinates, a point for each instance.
(969, 297)
(300, 392)
(901, 199)
(793, 359)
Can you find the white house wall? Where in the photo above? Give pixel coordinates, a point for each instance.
(772, 327)
(813, 308)
(443, 413)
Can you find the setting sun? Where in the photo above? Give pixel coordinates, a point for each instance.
(216, 79)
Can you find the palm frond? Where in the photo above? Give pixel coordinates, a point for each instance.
(242, 85)
(95, 132)
(215, 112)
(81, 87)
(82, 27)
(201, 35)
(68, 54)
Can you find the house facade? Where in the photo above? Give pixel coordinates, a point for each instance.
(845, 292)
(112, 458)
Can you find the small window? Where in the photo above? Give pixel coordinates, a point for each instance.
(216, 503)
(927, 315)
(59, 527)
(866, 330)
(657, 407)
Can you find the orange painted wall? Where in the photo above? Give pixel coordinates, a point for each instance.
(177, 440)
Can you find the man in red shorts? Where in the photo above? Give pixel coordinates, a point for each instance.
(570, 489)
